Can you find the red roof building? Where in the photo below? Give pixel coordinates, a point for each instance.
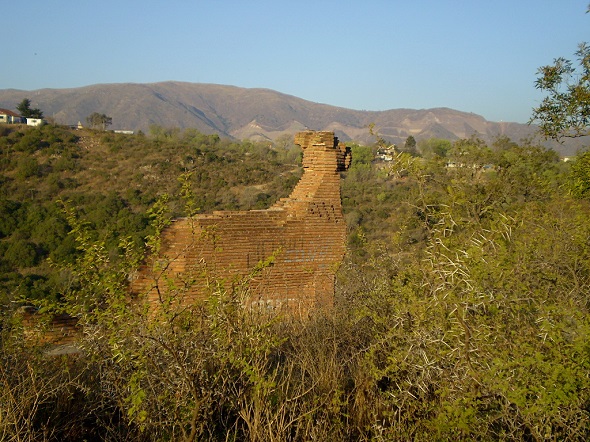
(8, 117)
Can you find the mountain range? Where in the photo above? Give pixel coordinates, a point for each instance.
(257, 114)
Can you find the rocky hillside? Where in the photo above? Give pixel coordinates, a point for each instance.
(254, 113)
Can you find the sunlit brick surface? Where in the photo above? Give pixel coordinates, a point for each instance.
(288, 254)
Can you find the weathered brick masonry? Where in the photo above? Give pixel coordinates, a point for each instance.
(60, 329)
(302, 236)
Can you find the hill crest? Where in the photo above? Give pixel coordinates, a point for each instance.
(255, 113)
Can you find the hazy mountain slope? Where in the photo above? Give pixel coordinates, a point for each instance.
(253, 113)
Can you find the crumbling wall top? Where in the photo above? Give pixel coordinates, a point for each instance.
(315, 138)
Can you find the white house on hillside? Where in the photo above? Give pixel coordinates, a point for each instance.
(9, 117)
(35, 121)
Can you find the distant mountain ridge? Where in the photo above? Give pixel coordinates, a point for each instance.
(257, 114)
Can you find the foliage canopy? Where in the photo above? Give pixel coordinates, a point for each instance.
(462, 306)
(24, 107)
(99, 121)
(565, 111)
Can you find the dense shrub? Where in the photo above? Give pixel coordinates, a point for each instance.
(461, 308)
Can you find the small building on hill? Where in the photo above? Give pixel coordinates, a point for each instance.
(35, 121)
(10, 117)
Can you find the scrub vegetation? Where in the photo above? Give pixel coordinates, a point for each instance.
(461, 310)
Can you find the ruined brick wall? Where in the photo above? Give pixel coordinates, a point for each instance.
(59, 329)
(302, 239)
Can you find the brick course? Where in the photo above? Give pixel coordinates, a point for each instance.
(289, 253)
(59, 329)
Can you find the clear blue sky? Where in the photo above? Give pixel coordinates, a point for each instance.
(476, 56)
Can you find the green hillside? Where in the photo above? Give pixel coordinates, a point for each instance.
(462, 307)
(112, 180)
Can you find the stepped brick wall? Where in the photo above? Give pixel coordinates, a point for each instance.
(288, 253)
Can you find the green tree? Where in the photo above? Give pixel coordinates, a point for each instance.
(24, 107)
(21, 253)
(579, 185)
(361, 155)
(410, 145)
(99, 121)
(434, 147)
(27, 167)
(565, 111)
(471, 152)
